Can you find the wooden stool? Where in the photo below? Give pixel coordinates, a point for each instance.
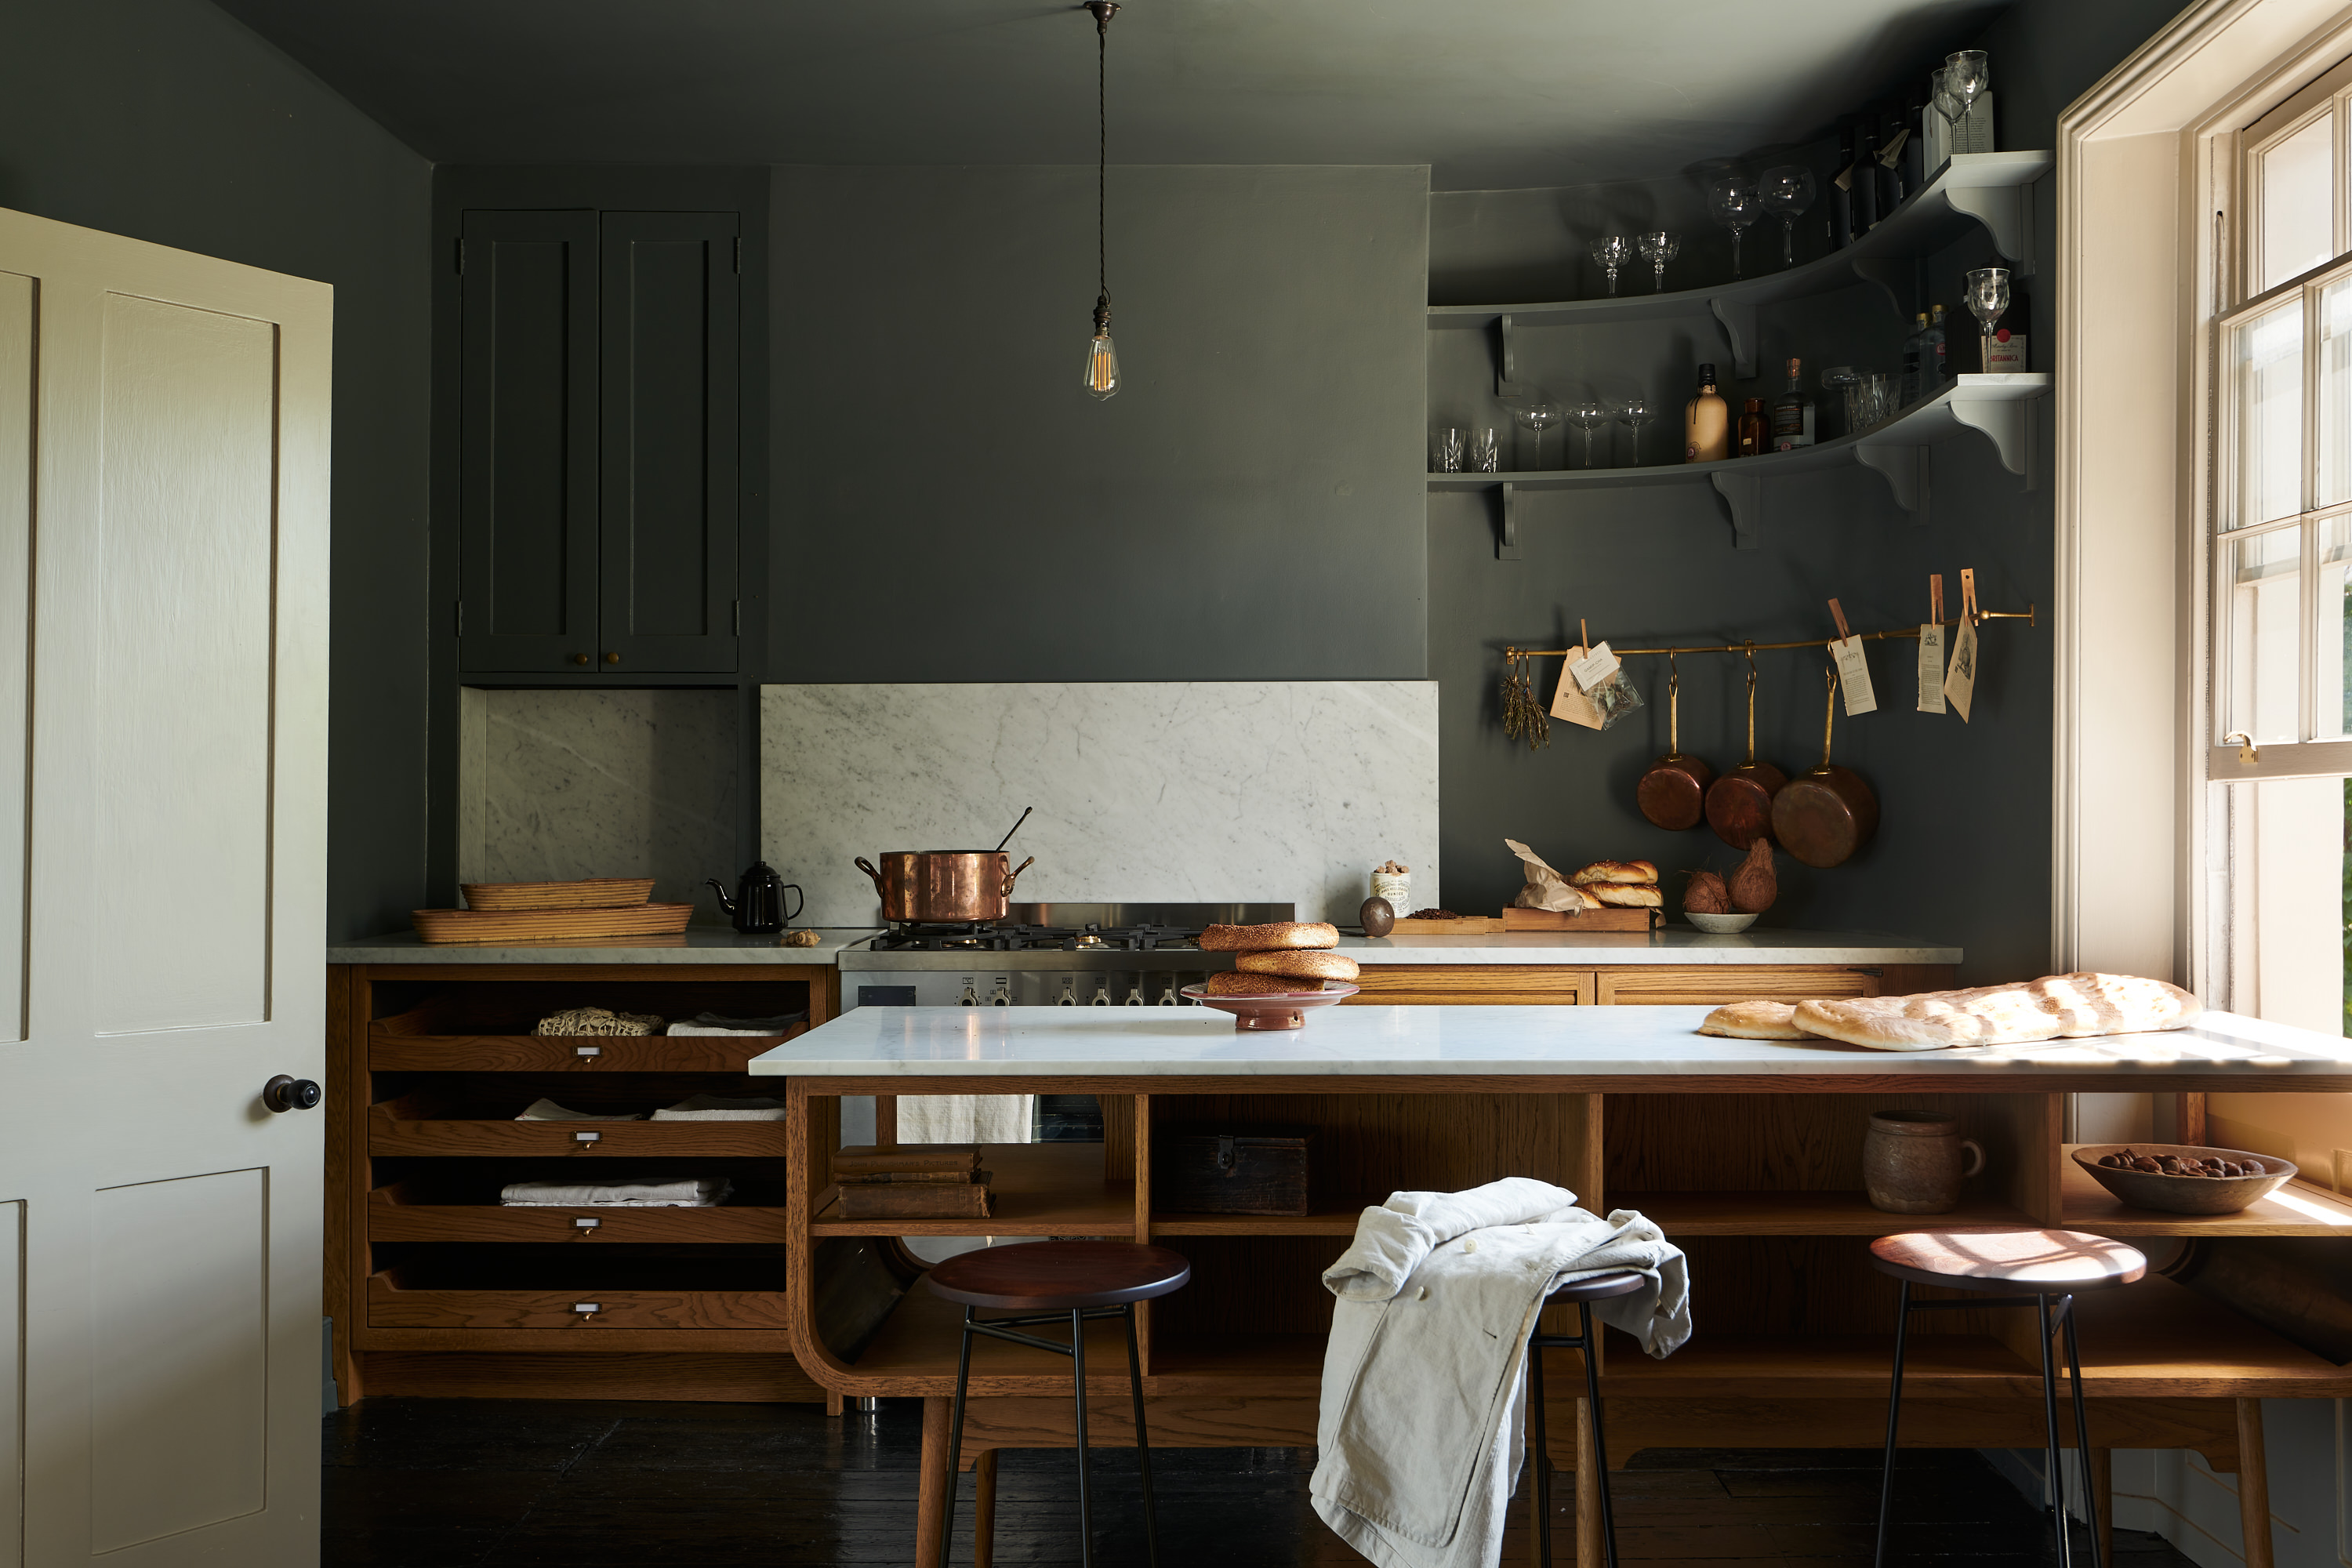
(2047, 1264)
(1054, 1280)
(1583, 1292)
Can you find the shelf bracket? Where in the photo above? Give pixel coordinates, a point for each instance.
(1506, 543)
(2007, 212)
(1738, 321)
(1506, 387)
(1905, 470)
(1894, 278)
(2009, 423)
(1744, 495)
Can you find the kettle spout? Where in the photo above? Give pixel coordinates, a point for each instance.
(726, 904)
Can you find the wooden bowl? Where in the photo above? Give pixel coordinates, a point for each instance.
(2184, 1195)
(1275, 1010)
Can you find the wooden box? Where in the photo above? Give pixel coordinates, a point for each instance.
(1206, 1167)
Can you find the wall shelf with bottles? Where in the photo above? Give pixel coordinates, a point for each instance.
(1998, 408)
(1991, 189)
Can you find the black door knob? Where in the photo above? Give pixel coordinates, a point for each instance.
(284, 1093)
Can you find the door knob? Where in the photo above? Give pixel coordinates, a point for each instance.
(284, 1093)
(579, 658)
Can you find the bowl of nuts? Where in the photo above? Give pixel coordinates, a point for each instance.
(2182, 1178)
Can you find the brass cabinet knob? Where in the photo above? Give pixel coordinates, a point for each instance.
(579, 658)
(611, 658)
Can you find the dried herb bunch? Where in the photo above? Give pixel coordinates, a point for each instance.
(1524, 714)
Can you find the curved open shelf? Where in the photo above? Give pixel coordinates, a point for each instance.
(1989, 189)
(1896, 447)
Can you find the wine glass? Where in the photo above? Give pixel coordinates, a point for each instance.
(1845, 378)
(1939, 89)
(1966, 75)
(1634, 411)
(1786, 191)
(1734, 204)
(1986, 292)
(1657, 249)
(1537, 415)
(1588, 413)
(1610, 252)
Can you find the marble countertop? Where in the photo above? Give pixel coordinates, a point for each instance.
(1000, 1042)
(1669, 945)
(695, 944)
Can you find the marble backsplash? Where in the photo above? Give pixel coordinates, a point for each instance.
(562, 784)
(1282, 791)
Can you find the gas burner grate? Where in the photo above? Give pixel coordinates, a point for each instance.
(986, 938)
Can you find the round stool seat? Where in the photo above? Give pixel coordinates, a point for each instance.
(1599, 1288)
(2038, 1260)
(1059, 1276)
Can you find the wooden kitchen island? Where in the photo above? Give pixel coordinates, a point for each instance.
(1748, 1153)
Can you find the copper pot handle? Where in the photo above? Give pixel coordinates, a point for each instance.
(861, 864)
(1014, 875)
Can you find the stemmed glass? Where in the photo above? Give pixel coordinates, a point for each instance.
(1538, 414)
(1734, 204)
(1634, 411)
(1657, 249)
(1966, 75)
(1845, 378)
(1610, 252)
(1987, 296)
(1587, 413)
(1939, 91)
(1787, 191)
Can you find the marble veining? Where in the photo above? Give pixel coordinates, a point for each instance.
(1204, 790)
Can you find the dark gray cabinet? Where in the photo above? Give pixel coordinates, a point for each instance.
(598, 443)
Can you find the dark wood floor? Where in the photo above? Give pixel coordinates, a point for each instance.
(504, 1484)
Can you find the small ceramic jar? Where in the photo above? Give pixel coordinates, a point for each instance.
(1911, 1162)
(1396, 888)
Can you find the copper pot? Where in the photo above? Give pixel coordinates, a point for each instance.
(1824, 816)
(1673, 792)
(1739, 803)
(944, 887)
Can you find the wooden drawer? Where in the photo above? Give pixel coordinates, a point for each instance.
(1491, 984)
(389, 1051)
(1711, 985)
(514, 1291)
(389, 1134)
(726, 1225)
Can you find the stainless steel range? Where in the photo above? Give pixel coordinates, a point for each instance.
(1043, 955)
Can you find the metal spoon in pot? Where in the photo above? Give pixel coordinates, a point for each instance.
(1013, 829)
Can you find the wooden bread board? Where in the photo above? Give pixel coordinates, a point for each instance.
(1469, 925)
(548, 925)
(597, 893)
(1587, 920)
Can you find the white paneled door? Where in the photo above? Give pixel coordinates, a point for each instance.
(164, 466)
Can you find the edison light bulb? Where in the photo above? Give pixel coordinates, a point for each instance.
(1102, 359)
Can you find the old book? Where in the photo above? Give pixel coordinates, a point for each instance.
(914, 1200)
(867, 1159)
(926, 1178)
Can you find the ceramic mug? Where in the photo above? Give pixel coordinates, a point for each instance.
(1911, 1162)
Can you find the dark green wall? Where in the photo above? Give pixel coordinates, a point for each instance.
(166, 121)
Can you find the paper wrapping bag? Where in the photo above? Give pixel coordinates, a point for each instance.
(1545, 889)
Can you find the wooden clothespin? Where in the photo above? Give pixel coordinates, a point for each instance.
(1936, 597)
(1967, 593)
(1838, 614)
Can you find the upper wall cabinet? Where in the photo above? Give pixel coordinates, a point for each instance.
(598, 437)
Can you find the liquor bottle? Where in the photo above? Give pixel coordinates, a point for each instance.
(1842, 229)
(1865, 175)
(1792, 412)
(1914, 347)
(1753, 425)
(2010, 355)
(1914, 145)
(1932, 355)
(1890, 158)
(1706, 422)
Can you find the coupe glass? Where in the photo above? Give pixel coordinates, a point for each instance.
(1610, 252)
(1634, 411)
(1733, 202)
(1845, 379)
(1588, 413)
(1987, 296)
(1657, 249)
(1786, 192)
(1966, 75)
(1537, 415)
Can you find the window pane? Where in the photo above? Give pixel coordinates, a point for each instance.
(2333, 646)
(2335, 393)
(2298, 221)
(2262, 576)
(2285, 909)
(2268, 355)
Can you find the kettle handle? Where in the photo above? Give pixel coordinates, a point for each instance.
(1014, 875)
(726, 904)
(861, 863)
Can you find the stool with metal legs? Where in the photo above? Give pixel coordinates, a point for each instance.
(2050, 1266)
(1583, 1292)
(1057, 1283)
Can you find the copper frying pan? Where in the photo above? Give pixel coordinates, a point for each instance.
(1739, 803)
(1824, 816)
(1673, 794)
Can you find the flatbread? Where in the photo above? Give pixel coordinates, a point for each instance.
(2056, 1007)
(1756, 1021)
(1626, 895)
(1615, 872)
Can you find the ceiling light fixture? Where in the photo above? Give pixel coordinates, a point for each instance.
(1102, 359)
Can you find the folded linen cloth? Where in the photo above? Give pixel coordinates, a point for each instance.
(713, 1023)
(548, 1111)
(711, 1108)
(966, 1117)
(651, 1192)
(1424, 1374)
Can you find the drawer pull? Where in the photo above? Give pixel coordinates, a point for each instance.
(585, 1222)
(585, 1137)
(587, 1309)
(587, 1051)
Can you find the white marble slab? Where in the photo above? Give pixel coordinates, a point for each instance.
(1200, 792)
(998, 1043)
(695, 944)
(1670, 944)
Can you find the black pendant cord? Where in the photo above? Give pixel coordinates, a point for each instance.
(1103, 12)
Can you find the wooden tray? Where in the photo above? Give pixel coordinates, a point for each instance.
(595, 893)
(548, 925)
(1573, 920)
(391, 1052)
(1469, 925)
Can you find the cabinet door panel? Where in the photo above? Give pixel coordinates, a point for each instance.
(670, 443)
(1711, 985)
(527, 443)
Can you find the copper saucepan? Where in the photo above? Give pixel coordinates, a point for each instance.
(1673, 792)
(944, 887)
(1739, 803)
(1824, 816)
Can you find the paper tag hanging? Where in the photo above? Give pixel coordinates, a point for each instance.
(1960, 684)
(1570, 703)
(1853, 669)
(1931, 668)
(1593, 667)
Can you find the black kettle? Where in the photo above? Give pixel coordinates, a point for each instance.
(758, 906)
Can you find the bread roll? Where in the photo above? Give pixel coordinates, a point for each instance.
(1299, 963)
(1615, 872)
(2056, 1007)
(1627, 895)
(1755, 1021)
(1241, 982)
(1260, 939)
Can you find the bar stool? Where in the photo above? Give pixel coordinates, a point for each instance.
(1583, 1292)
(1053, 1281)
(2048, 1265)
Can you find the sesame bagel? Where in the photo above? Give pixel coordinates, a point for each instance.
(1306, 963)
(1260, 938)
(1239, 983)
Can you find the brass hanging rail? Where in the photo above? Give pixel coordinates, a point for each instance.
(2026, 615)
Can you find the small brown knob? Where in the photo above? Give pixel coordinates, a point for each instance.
(611, 658)
(579, 658)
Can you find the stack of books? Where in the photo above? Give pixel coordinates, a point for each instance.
(911, 1181)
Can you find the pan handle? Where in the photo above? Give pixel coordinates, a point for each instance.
(1829, 715)
(861, 864)
(1014, 875)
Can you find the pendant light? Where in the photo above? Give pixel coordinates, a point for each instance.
(1102, 359)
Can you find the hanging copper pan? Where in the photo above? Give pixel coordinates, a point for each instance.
(1824, 816)
(1739, 803)
(1673, 794)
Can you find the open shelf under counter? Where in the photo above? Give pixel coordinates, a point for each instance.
(2295, 1209)
(917, 1341)
(1807, 1214)
(1035, 1189)
(1341, 1222)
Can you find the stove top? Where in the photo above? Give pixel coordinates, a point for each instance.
(1081, 928)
